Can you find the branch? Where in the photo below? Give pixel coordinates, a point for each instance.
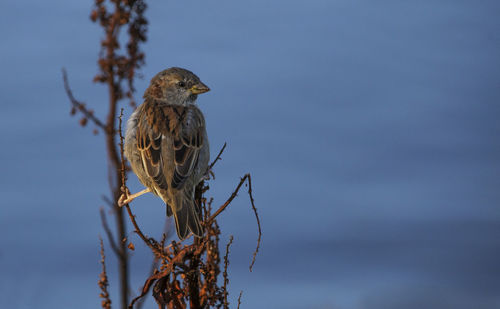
(104, 222)
(154, 265)
(122, 157)
(150, 242)
(103, 281)
(77, 105)
(239, 300)
(258, 221)
(226, 280)
(230, 199)
(217, 158)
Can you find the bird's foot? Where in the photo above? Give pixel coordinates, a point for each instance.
(126, 197)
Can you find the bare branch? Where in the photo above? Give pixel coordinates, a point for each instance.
(258, 221)
(123, 173)
(226, 280)
(104, 222)
(239, 300)
(218, 157)
(150, 242)
(229, 200)
(103, 281)
(89, 114)
(154, 266)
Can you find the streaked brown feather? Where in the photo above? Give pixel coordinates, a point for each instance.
(149, 145)
(185, 124)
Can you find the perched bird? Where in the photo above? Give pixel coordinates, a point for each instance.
(167, 146)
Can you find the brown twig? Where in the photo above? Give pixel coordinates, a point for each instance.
(239, 300)
(111, 240)
(103, 281)
(154, 266)
(77, 105)
(230, 199)
(123, 173)
(226, 279)
(217, 158)
(150, 242)
(257, 218)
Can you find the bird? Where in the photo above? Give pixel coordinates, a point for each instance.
(167, 146)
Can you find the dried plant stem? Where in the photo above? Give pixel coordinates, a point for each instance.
(103, 280)
(258, 221)
(105, 225)
(230, 199)
(239, 300)
(226, 279)
(77, 105)
(115, 173)
(218, 157)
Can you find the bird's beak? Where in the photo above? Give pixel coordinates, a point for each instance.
(199, 88)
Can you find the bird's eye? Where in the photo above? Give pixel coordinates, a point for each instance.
(181, 84)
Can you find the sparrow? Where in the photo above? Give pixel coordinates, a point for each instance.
(167, 146)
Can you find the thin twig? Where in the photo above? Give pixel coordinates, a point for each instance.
(150, 242)
(154, 266)
(122, 157)
(111, 240)
(79, 105)
(226, 264)
(256, 217)
(229, 200)
(239, 300)
(103, 280)
(217, 158)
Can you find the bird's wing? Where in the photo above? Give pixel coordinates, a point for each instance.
(188, 140)
(185, 126)
(149, 138)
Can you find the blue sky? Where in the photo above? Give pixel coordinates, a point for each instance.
(370, 130)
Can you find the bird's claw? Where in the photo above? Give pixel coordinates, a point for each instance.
(121, 200)
(124, 198)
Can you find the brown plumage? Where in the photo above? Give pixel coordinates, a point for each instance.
(167, 146)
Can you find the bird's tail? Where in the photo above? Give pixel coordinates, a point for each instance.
(187, 216)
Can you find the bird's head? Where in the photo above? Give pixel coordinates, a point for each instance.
(175, 86)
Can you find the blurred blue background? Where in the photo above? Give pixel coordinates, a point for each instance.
(370, 128)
